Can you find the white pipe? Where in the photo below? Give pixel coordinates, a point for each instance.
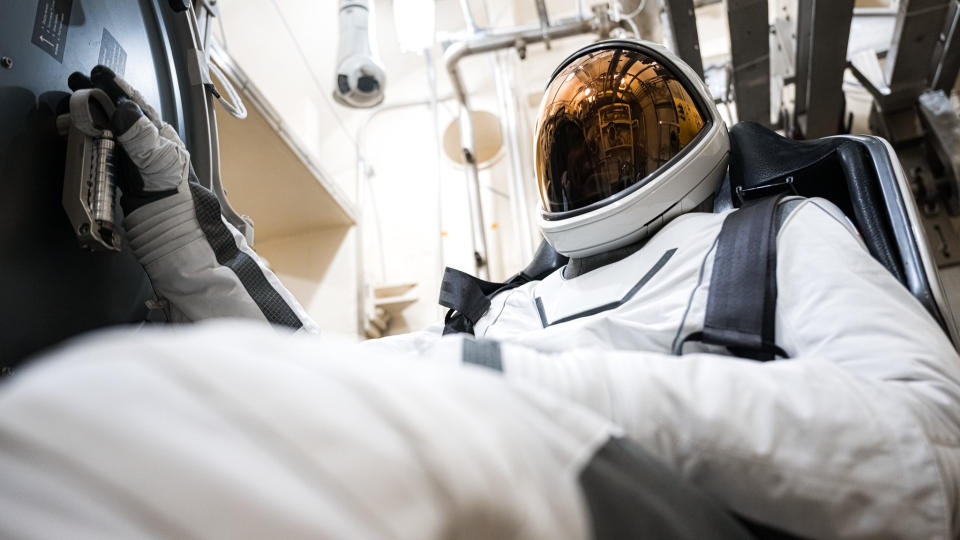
(468, 15)
(478, 233)
(435, 112)
(518, 198)
(488, 42)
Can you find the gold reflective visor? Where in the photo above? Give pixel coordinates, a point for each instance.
(608, 121)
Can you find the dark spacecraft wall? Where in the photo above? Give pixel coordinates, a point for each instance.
(50, 288)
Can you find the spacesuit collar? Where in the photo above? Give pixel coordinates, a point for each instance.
(580, 266)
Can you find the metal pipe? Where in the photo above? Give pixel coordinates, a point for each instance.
(438, 144)
(507, 38)
(508, 109)
(468, 15)
(518, 37)
(104, 183)
(542, 13)
(544, 18)
(478, 231)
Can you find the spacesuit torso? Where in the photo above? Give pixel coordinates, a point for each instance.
(636, 303)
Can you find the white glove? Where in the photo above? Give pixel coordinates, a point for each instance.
(158, 160)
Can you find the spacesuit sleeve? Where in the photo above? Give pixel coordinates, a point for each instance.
(202, 266)
(852, 437)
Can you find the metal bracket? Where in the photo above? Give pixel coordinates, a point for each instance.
(766, 190)
(943, 133)
(944, 240)
(899, 126)
(197, 68)
(544, 21)
(683, 29)
(946, 59)
(917, 36)
(521, 46)
(823, 30)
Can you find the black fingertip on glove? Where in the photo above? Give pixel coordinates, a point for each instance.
(79, 81)
(125, 116)
(101, 71)
(105, 79)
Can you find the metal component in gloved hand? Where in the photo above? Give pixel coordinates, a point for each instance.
(104, 184)
(89, 180)
(153, 161)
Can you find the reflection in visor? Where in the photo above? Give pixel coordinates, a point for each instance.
(608, 120)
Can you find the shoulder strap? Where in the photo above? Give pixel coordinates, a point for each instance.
(742, 299)
(468, 297)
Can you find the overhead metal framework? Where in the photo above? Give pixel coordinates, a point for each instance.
(683, 24)
(750, 56)
(820, 63)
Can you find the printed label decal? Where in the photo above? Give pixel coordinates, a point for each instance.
(51, 25)
(112, 54)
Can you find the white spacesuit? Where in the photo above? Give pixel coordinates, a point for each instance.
(855, 435)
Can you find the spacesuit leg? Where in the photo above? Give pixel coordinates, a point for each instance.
(231, 430)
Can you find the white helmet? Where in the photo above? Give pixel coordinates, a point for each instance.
(627, 138)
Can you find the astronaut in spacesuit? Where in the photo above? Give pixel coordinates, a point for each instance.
(856, 434)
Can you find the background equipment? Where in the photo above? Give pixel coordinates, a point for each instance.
(360, 78)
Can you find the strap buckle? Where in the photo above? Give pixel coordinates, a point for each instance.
(766, 190)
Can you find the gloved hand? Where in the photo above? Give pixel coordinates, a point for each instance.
(156, 162)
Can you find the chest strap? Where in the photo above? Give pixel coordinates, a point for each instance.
(468, 298)
(742, 300)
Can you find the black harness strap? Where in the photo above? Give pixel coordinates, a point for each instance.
(465, 293)
(742, 299)
(468, 298)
